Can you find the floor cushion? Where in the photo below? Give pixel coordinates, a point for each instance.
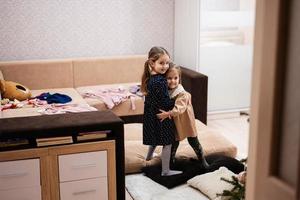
(212, 141)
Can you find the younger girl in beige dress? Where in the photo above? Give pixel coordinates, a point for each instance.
(182, 114)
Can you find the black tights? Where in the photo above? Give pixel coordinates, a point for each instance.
(195, 144)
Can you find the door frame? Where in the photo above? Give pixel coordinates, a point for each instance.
(271, 27)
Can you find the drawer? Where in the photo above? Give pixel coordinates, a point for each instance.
(82, 166)
(33, 193)
(19, 173)
(91, 189)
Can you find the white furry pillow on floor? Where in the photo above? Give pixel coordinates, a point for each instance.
(141, 187)
(211, 184)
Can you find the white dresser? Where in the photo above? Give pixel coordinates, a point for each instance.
(20, 180)
(84, 171)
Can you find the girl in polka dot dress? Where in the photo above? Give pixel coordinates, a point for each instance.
(155, 88)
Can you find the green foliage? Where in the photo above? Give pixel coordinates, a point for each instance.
(237, 192)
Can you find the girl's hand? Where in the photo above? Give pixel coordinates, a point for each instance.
(163, 115)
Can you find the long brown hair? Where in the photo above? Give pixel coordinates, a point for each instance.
(174, 67)
(154, 54)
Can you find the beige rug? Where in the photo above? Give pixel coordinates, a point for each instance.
(141, 187)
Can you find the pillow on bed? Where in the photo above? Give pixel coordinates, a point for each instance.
(211, 184)
(191, 168)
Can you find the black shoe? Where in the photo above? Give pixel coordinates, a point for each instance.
(204, 163)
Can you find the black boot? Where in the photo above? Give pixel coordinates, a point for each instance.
(195, 144)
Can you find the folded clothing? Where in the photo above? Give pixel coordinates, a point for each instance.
(136, 89)
(191, 167)
(54, 98)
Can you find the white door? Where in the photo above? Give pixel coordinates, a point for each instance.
(215, 37)
(274, 154)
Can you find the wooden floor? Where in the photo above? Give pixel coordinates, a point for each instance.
(234, 127)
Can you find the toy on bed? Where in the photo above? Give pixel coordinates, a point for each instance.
(12, 90)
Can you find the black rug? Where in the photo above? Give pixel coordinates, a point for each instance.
(191, 168)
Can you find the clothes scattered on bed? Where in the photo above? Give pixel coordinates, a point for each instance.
(54, 98)
(111, 96)
(21, 104)
(38, 101)
(65, 108)
(191, 168)
(136, 89)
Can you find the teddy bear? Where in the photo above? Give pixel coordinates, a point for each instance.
(12, 90)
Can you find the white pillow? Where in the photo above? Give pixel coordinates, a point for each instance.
(211, 184)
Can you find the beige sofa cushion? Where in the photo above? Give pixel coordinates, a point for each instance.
(123, 109)
(23, 112)
(39, 74)
(212, 142)
(108, 70)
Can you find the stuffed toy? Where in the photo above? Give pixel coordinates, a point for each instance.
(12, 90)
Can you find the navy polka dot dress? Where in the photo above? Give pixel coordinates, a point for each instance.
(156, 132)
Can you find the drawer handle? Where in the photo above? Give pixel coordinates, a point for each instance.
(84, 192)
(83, 166)
(11, 175)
